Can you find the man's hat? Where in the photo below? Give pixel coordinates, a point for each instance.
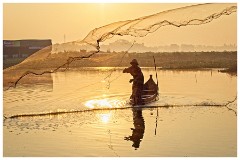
(134, 61)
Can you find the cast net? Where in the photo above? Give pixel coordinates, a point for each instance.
(91, 52)
(88, 53)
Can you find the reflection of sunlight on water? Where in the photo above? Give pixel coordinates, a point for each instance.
(105, 117)
(104, 103)
(98, 103)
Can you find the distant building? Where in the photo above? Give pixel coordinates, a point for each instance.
(23, 48)
(174, 48)
(187, 48)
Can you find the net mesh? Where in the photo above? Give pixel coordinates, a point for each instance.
(87, 52)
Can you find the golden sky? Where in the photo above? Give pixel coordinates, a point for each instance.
(46, 20)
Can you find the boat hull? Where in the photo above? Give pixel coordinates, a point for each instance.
(149, 92)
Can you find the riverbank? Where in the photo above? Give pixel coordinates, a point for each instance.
(166, 60)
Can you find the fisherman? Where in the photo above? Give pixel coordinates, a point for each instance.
(138, 80)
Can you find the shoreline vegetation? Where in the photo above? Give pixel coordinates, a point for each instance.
(165, 60)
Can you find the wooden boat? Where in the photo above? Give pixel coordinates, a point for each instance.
(149, 93)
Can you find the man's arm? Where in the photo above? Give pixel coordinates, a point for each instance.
(127, 70)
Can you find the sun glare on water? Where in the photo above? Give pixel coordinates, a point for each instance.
(105, 117)
(98, 103)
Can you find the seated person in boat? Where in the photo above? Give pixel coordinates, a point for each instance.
(138, 81)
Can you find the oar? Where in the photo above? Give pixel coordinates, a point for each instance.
(155, 69)
(156, 123)
(157, 86)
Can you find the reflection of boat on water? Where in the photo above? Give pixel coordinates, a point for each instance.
(139, 128)
(149, 92)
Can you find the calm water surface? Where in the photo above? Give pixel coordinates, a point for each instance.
(184, 130)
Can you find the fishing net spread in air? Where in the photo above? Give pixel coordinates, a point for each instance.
(88, 53)
(82, 58)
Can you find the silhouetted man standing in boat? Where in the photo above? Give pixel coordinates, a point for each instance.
(138, 80)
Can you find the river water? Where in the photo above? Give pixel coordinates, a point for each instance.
(85, 112)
